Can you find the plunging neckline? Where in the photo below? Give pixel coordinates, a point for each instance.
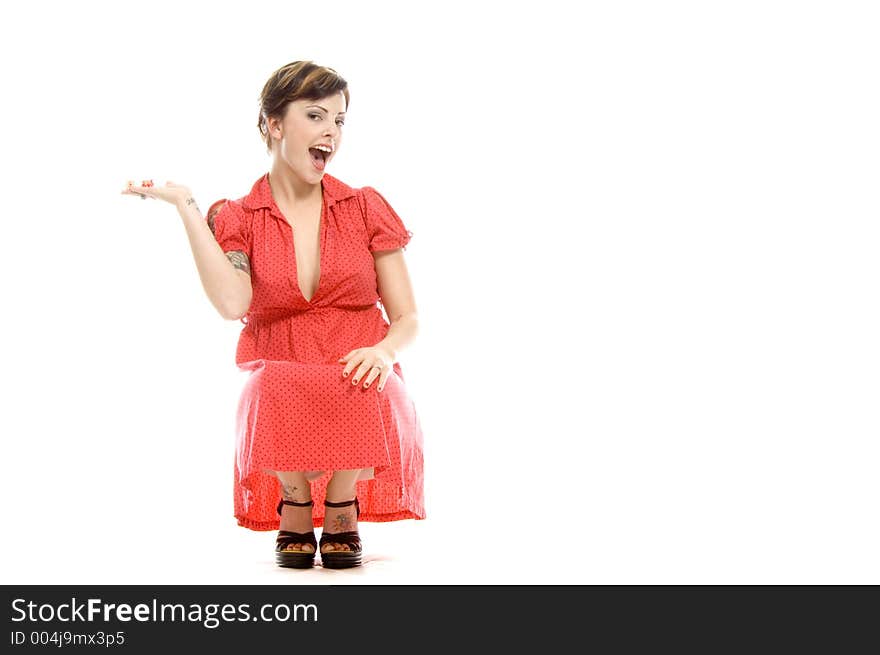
(321, 226)
(321, 230)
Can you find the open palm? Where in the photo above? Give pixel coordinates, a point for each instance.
(171, 192)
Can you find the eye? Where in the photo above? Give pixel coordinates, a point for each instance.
(339, 122)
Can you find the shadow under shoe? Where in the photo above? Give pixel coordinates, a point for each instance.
(294, 559)
(342, 559)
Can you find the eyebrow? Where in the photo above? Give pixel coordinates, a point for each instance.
(320, 107)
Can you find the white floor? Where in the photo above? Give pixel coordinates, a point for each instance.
(219, 552)
(505, 544)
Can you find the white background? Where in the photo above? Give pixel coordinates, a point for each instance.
(644, 255)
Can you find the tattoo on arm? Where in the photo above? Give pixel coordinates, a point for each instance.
(192, 201)
(212, 212)
(239, 260)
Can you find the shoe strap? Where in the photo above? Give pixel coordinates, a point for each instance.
(352, 539)
(285, 537)
(345, 503)
(283, 502)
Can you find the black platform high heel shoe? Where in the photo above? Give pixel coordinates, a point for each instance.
(342, 559)
(294, 559)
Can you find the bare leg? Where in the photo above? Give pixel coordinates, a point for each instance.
(295, 486)
(340, 519)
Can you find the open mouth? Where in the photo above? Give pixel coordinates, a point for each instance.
(319, 158)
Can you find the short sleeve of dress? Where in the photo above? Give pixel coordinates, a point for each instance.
(226, 220)
(385, 228)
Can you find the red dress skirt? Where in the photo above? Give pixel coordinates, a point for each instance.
(296, 411)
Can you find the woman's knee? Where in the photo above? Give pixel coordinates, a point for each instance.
(343, 481)
(294, 485)
(346, 474)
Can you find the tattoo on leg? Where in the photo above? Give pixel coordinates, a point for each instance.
(289, 491)
(239, 260)
(342, 522)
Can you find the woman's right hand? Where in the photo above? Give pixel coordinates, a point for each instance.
(171, 192)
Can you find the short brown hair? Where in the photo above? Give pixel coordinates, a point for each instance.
(298, 80)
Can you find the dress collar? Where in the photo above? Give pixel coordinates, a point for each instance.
(261, 193)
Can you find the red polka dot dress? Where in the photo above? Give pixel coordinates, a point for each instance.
(296, 412)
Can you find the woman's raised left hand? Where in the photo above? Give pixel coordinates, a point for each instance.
(363, 361)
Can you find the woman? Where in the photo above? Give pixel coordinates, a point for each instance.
(324, 419)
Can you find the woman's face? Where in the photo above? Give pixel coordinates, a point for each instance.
(309, 123)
